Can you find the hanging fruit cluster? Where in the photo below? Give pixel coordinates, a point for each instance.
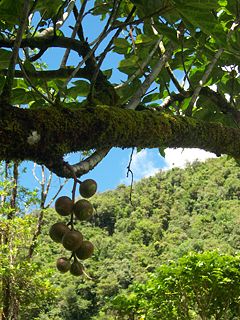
(66, 234)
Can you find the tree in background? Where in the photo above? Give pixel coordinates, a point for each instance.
(25, 282)
(197, 286)
(78, 107)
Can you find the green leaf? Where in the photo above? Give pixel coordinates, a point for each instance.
(81, 88)
(129, 65)
(162, 151)
(122, 46)
(108, 73)
(145, 39)
(21, 96)
(121, 43)
(151, 97)
(5, 56)
(29, 66)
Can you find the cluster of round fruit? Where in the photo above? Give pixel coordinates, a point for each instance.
(70, 238)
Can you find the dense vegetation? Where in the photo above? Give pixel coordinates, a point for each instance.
(129, 73)
(173, 213)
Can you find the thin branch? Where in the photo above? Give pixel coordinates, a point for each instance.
(51, 74)
(136, 99)
(142, 67)
(186, 77)
(6, 92)
(208, 71)
(43, 205)
(129, 170)
(111, 18)
(168, 68)
(74, 32)
(47, 42)
(34, 173)
(60, 22)
(57, 193)
(38, 55)
(32, 85)
(83, 166)
(108, 47)
(203, 81)
(173, 78)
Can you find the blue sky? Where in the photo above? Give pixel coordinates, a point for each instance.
(113, 168)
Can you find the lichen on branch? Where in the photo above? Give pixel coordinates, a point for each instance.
(60, 130)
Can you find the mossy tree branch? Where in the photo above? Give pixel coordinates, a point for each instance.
(44, 136)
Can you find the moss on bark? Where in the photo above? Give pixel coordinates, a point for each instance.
(45, 135)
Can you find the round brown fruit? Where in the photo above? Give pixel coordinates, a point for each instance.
(83, 209)
(57, 231)
(76, 268)
(88, 188)
(85, 250)
(63, 206)
(72, 240)
(63, 264)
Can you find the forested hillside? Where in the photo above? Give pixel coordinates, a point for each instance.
(175, 212)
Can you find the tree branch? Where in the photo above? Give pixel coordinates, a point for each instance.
(60, 22)
(136, 99)
(203, 81)
(47, 42)
(6, 92)
(51, 74)
(45, 135)
(83, 166)
(74, 32)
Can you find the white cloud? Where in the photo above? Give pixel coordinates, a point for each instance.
(180, 157)
(142, 166)
(148, 162)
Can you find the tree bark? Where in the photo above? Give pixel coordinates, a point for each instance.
(46, 134)
(10, 301)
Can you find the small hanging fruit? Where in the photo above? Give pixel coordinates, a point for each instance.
(63, 264)
(64, 206)
(88, 188)
(57, 231)
(85, 251)
(83, 209)
(71, 239)
(76, 268)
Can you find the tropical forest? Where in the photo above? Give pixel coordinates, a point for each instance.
(172, 252)
(81, 83)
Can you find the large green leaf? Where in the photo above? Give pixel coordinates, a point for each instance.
(129, 65)
(5, 56)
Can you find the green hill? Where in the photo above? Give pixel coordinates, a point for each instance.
(177, 211)
(172, 213)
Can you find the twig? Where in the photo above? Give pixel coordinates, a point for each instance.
(51, 74)
(168, 68)
(106, 29)
(60, 22)
(43, 205)
(83, 166)
(142, 67)
(136, 99)
(208, 71)
(107, 48)
(32, 85)
(186, 77)
(130, 171)
(203, 81)
(38, 55)
(74, 32)
(57, 193)
(6, 92)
